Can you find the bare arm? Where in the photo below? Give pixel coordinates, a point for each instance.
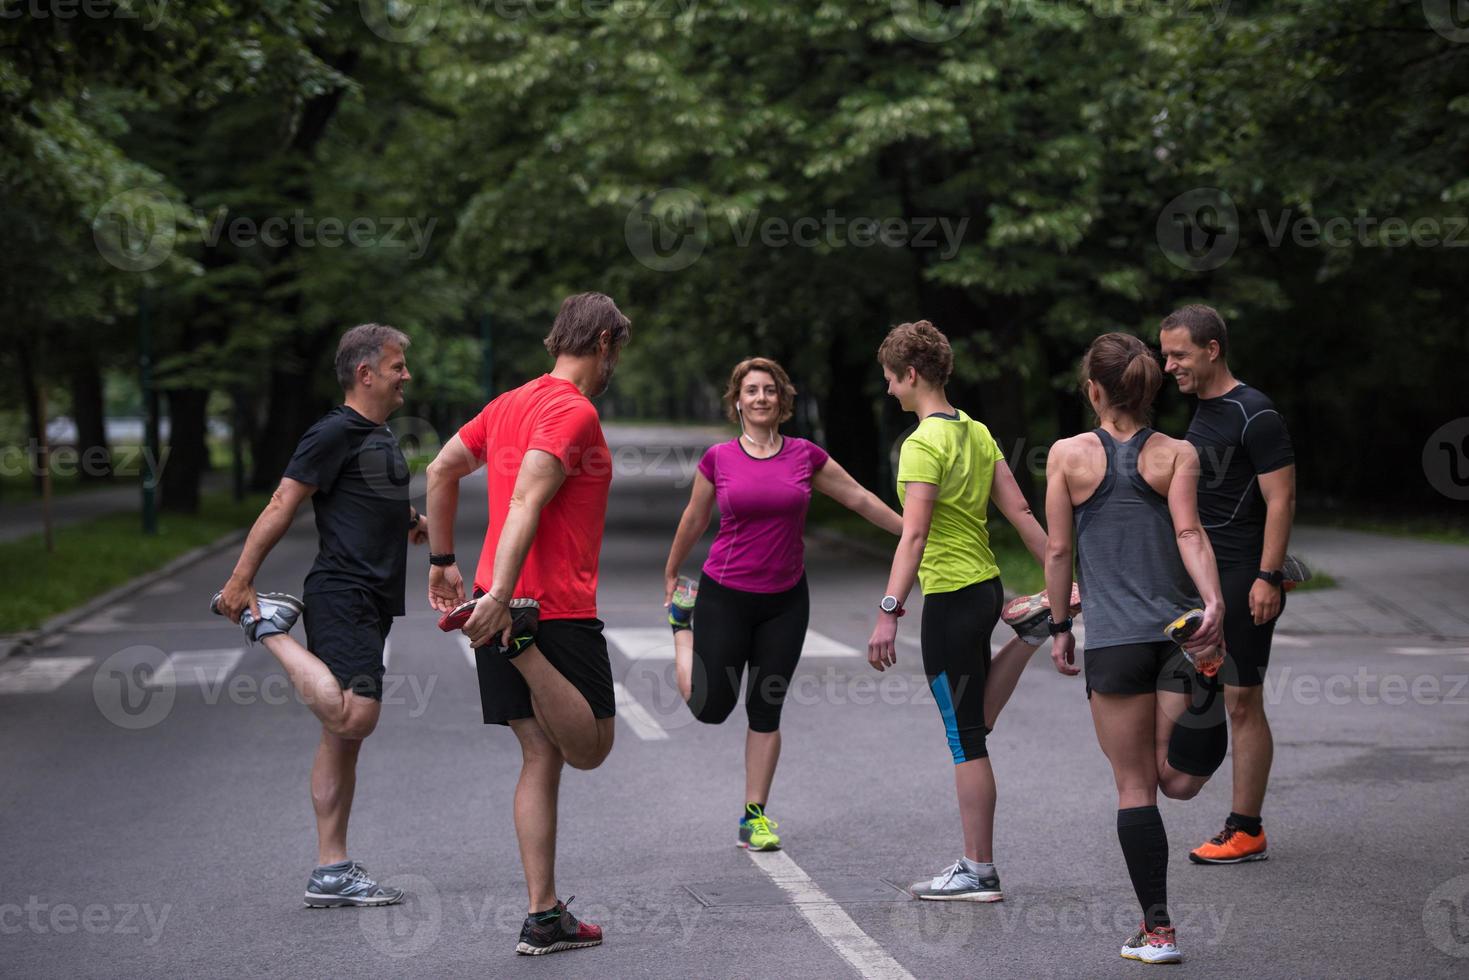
(453, 463)
(1193, 544)
(838, 484)
(1012, 503)
(1278, 487)
(265, 534)
(539, 479)
(1059, 548)
(918, 505)
(691, 528)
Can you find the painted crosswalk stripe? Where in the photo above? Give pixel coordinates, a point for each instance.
(1427, 651)
(831, 923)
(387, 652)
(40, 675)
(196, 668)
(656, 643)
(631, 710)
(468, 651)
(1291, 641)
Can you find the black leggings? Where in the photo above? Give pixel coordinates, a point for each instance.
(956, 657)
(733, 629)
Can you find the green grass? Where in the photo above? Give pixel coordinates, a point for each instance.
(1019, 571)
(1318, 580)
(100, 554)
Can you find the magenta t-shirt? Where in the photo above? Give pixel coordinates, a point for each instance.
(762, 514)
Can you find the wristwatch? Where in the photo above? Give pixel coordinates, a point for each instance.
(417, 519)
(1274, 578)
(1055, 628)
(891, 605)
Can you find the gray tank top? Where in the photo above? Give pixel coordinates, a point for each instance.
(1132, 580)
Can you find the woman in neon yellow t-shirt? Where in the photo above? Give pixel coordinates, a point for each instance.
(949, 469)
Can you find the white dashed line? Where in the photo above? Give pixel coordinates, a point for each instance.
(468, 652)
(387, 652)
(631, 710)
(1291, 641)
(1427, 651)
(831, 923)
(41, 675)
(201, 668)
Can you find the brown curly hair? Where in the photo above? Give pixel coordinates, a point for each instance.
(786, 392)
(921, 346)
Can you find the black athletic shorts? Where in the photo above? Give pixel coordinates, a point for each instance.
(575, 647)
(1137, 668)
(346, 630)
(1248, 644)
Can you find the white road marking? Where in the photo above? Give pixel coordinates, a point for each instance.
(41, 675)
(196, 667)
(1291, 641)
(468, 651)
(656, 643)
(631, 710)
(1427, 651)
(831, 923)
(387, 653)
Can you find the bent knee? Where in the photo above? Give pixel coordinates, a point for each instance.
(712, 712)
(1180, 787)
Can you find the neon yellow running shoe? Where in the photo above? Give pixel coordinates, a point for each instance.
(757, 831)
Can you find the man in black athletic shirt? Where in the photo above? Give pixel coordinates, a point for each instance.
(350, 465)
(1247, 497)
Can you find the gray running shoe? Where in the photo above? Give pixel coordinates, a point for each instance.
(278, 613)
(957, 883)
(348, 883)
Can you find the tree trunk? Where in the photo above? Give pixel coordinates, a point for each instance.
(188, 452)
(90, 411)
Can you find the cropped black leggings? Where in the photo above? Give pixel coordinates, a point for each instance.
(956, 657)
(734, 630)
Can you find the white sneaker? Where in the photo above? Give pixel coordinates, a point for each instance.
(1153, 946)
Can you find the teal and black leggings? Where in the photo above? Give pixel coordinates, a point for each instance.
(956, 657)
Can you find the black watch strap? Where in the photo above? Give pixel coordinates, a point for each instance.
(1274, 578)
(1056, 628)
(447, 558)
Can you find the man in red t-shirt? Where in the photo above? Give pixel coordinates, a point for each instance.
(544, 670)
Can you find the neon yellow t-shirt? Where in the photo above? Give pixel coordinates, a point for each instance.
(958, 456)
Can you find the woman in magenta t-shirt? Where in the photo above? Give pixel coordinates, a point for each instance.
(752, 600)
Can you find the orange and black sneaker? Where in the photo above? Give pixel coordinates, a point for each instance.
(1230, 846)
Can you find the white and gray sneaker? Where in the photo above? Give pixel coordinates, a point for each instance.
(278, 613)
(959, 883)
(347, 883)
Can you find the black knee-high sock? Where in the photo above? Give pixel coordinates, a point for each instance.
(1145, 847)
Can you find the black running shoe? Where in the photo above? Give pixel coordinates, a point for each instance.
(556, 930)
(525, 619)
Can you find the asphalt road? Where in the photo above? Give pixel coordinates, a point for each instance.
(167, 831)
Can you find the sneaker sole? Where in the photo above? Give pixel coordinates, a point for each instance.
(337, 902)
(974, 897)
(1261, 856)
(752, 847)
(1171, 960)
(526, 949)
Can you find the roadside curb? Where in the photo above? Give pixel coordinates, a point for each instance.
(17, 641)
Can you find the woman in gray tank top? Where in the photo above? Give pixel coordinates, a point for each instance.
(1127, 496)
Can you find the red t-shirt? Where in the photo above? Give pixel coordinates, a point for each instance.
(551, 415)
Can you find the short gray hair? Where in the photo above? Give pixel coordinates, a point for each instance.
(364, 344)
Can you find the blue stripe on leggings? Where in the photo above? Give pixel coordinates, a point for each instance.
(940, 687)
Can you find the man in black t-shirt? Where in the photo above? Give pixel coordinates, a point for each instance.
(350, 466)
(1247, 495)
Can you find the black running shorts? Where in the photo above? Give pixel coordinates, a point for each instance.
(1248, 644)
(1137, 668)
(575, 647)
(346, 630)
